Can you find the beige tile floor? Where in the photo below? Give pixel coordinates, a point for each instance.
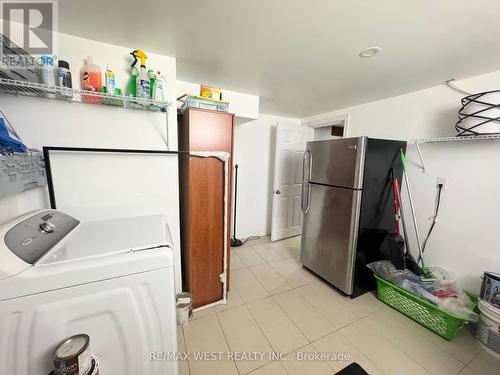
(275, 305)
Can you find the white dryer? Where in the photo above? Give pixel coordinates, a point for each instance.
(112, 280)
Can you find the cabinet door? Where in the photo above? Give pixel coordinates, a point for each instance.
(206, 230)
(213, 131)
(202, 202)
(210, 131)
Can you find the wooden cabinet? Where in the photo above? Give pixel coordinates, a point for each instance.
(202, 202)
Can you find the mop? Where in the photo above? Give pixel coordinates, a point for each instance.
(427, 274)
(409, 261)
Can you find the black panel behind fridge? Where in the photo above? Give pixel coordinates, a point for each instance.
(377, 207)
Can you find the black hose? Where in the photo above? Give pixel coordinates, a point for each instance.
(440, 190)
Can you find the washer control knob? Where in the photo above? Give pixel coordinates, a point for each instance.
(47, 227)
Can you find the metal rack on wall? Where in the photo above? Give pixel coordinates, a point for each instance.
(72, 95)
(456, 139)
(468, 138)
(65, 94)
(20, 172)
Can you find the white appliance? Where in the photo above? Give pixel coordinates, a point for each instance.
(112, 280)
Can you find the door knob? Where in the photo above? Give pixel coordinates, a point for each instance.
(278, 192)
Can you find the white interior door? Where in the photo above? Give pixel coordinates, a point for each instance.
(287, 214)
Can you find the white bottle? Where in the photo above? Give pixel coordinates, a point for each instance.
(158, 90)
(143, 85)
(109, 81)
(49, 76)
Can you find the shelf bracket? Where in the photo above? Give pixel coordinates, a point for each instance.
(422, 164)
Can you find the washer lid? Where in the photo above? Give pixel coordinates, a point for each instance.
(106, 237)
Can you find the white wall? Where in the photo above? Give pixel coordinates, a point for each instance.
(254, 144)
(466, 240)
(53, 123)
(242, 105)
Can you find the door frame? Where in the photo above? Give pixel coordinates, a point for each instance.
(337, 120)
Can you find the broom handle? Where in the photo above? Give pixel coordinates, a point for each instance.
(405, 233)
(410, 198)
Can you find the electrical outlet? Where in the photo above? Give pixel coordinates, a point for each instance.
(442, 181)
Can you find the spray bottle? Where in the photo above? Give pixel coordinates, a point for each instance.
(152, 78)
(132, 87)
(158, 88)
(143, 85)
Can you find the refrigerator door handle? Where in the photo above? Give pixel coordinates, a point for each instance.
(308, 198)
(305, 183)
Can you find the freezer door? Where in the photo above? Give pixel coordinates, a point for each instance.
(337, 162)
(329, 234)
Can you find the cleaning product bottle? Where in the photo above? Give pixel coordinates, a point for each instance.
(143, 85)
(159, 92)
(64, 79)
(152, 78)
(48, 75)
(91, 81)
(109, 81)
(132, 87)
(158, 88)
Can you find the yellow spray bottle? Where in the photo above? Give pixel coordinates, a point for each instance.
(142, 80)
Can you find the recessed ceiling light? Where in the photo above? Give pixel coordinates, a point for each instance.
(370, 52)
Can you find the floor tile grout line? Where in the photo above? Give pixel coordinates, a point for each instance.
(398, 346)
(271, 296)
(327, 362)
(307, 302)
(270, 293)
(473, 358)
(185, 345)
(338, 330)
(267, 261)
(322, 314)
(293, 287)
(462, 369)
(258, 368)
(358, 348)
(288, 276)
(359, 318)
(227, 342)
(315, 309)
(301, 286)
(263, 334)
(241, 258)
(251, 273)
(430, 341)
(260, 328)
(316, 349)
(277, 304)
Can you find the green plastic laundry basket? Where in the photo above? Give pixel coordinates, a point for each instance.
(427, 314)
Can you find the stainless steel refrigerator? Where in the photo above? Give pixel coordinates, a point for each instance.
(347, 204)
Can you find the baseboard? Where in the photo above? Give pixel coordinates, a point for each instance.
(244, 236)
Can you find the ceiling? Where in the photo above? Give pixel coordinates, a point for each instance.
(301, 56)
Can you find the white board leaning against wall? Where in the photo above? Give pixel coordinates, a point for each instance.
(106, 185)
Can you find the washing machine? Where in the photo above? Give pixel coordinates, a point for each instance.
(112, 280)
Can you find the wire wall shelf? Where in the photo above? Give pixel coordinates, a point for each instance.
(418, 142)
(456, 139)
(60, 93)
